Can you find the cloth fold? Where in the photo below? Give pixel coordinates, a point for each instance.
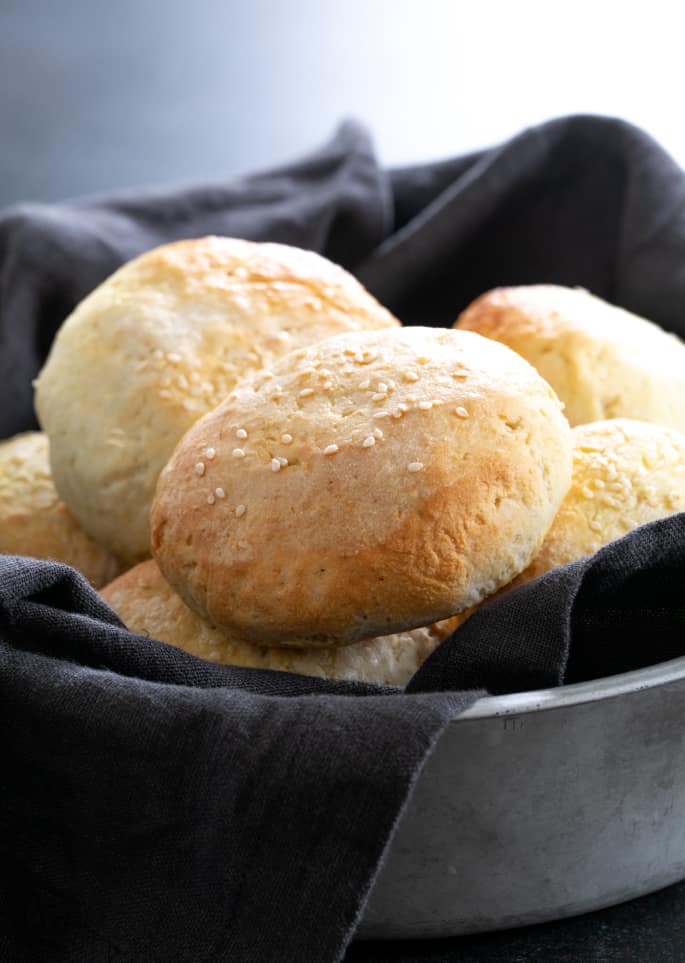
(157, 807)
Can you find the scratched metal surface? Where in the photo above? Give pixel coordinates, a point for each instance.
(539, 806)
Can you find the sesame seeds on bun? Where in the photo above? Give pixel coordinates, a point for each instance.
(421, 471)
(159, 344)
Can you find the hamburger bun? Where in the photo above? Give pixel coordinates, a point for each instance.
(602, 361)
(33, 519)
(366, 485)
(625, 473)
(160, 343)
(147, 605)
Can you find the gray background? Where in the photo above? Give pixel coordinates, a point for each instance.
(95, 95)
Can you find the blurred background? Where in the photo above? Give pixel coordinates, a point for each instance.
(97, 95)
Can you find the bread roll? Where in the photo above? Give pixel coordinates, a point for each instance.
(366, 485)
(147, 605)
(625, 473)
(602, 361)
(159, 344)
(33, 520)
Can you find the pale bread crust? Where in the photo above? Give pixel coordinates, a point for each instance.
(625, 473)
(602, 361)
(33, 519)
(147, 605)
(334, 548)
(160, 343)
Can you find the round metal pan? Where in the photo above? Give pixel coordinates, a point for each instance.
(541, 805)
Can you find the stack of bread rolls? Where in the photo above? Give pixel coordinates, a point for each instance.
(323, 490)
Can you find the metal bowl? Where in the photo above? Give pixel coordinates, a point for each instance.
(541, 805)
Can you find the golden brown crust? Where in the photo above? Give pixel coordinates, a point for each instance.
(424, 467)
(602, 361)
(625, 473)
(33, 520)
(147, 604)
(159, 344)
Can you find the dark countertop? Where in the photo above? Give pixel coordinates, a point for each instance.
(646, 930)
(96, 96)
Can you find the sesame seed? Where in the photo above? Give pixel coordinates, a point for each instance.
(459, 375)
(306, 392)
(182, 381)
(411, 376)
(369, 442)
(365, 384)
(587, 491)
(283, 461)
(392, 385)
(402, 407)
(239, 510)
(414, 466)
(238, 453)
(327, 385)
(164, 393)
(330, 449)
(241, 433)
(411, 399)
(286, 438)
(173, 357)
(210, 453)
(382, 414)
(377, 433)
(382, 387)
(219, 492)
(379, 396)
(210, 499)
(461, 412)
(425, 405)
(187, 405)
(200, 468)
(275, 464)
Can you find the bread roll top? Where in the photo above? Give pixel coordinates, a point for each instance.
(160, 343)
(603, 362)
(366, 485)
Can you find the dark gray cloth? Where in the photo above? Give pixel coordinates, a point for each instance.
(156, 807)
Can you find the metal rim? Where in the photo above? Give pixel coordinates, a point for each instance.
(542, 700)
